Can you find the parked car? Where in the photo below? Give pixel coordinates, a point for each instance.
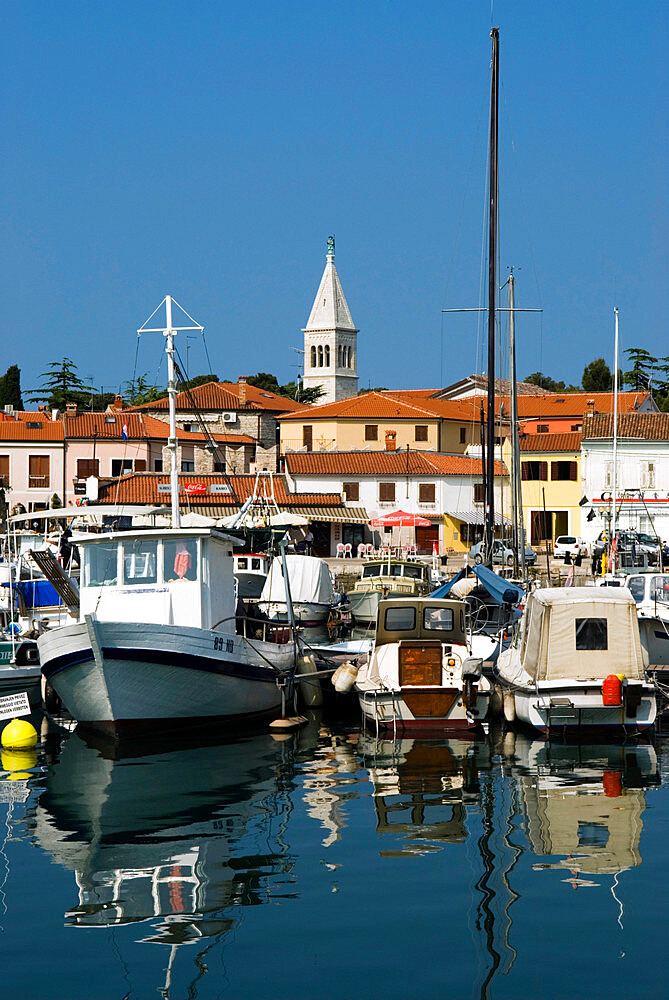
(569, 543)
(638, 548)
(502, 554)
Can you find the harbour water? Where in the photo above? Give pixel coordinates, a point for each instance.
(333, 864)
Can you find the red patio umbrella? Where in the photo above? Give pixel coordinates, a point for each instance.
(400, 519)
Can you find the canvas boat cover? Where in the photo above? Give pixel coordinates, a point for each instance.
(310, 581)
(581, 633)
(501, 590)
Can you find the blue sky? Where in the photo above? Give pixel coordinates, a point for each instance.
(210, 149)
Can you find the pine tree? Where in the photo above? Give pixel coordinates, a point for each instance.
(10, 388)
(62, 385)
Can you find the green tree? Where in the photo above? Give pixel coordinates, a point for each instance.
(545, 382)
(197, 380)
(597, 376)
(139, 390)
(62, 385)
(10, 388)
(292, 390)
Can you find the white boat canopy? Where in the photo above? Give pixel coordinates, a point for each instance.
(581, 633)
(310, 581)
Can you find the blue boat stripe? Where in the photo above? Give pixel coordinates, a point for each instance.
(188, 661)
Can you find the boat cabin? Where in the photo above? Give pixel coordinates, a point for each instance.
(396, 569)
(168, 577)
(580, 633)
(421, 619)
(649, 588)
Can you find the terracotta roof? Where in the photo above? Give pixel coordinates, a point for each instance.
(390, 406)
(18, 430)
(225, 396)
(143, 488)
(551, 442)
(384, 463)
(140, 427)
(575, 404)
(647, 426)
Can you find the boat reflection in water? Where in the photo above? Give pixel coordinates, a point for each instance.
(422, 788)
(585, 803)
(176, 839)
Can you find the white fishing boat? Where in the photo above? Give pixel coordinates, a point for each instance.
(312, 594)
(155, 645)
(421, 676)
(575, 665)
(651, 594)
(251, 569)
(387, 578)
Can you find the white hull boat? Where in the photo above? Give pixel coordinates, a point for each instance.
(575, 666)
(311, 592)
(421, 678)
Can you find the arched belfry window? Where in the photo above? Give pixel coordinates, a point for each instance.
(327, 355)
(320, 356)
(313, 357)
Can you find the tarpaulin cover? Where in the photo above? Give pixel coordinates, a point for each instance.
(309, 577)
(553, 618)
(36, 593)
(500, 590)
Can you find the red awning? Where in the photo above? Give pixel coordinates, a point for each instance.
(400, 519)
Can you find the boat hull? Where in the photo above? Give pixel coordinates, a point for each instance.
(307, 613)
(421, 711)
(577, 709)
(114, 676)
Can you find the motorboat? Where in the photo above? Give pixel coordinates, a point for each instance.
(575, 664)
(387, 578)
(251, 569)
(651, 594)
(494, 603)
(311, 592)
(423, 674)
(155, 645)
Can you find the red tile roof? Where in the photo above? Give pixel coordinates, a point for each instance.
(390, 406)
(384, 463)
(225, 396)
(18, 430)
(551, 442)
(143, 488)
(575, 404)
(647, 426)
(140, 427)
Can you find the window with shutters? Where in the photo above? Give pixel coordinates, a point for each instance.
(4, 470)
(563, 471)
(371, 432)
(352, 491)
(426, 492)
(307, 437)
(534, 470)
(38, 472)
(387, 492)
(121, 466)
(420, 433)
(140, 465)
(88, 467)
(479, 496)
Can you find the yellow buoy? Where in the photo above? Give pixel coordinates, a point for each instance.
(19, 735)
(18, 762)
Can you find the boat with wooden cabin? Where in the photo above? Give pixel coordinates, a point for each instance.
(386, 579)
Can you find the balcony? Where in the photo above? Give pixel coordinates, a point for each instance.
(39, 482)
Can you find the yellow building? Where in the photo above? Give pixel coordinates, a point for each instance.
(550, 466)
(383, 421)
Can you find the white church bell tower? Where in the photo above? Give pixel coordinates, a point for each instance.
(331, 339)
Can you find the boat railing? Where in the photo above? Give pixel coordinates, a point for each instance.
(257, 628)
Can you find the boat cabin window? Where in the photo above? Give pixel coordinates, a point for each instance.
(659, 589)
(440, 619)
(140, 561)
(414, 572)
(400, 619)
(636, 586)
(591, 633)
(179, 560)
(255, 564)
(101, 570)
(375, 570)
(242, 562)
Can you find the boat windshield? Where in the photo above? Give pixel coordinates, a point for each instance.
(179, 560)
(101, 569)
(636, 586)
(439, 619)
(140, 562)
(659, 589)
(375, 570)
(414, 572)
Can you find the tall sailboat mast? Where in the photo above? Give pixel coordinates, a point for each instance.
(492, 297)
(615, 443)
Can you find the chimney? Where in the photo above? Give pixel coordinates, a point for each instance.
(391, 437)
(590, 408)
(241, 381)
(71, 410)
(118, 402)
